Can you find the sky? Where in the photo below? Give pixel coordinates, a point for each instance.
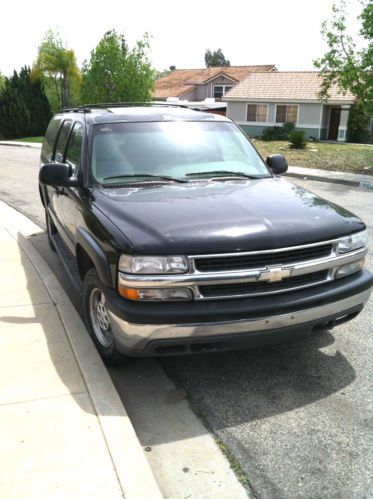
(281, 32)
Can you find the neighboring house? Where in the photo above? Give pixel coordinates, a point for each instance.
(201, 84)
(271, 99)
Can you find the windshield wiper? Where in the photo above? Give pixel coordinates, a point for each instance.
(148, 175)
(224, 173)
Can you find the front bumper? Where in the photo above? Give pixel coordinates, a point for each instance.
(280, 321)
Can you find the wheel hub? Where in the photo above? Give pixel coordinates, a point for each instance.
(100, 318)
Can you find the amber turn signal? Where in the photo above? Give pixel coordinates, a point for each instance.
(129, 293)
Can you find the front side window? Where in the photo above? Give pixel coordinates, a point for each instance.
(62, 141)
(220, 90)
(257, 112)
(286, 114)
(74, 148)
(127, 152)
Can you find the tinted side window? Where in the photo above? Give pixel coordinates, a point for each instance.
(50, 139)
(74, 148)
(62, 141)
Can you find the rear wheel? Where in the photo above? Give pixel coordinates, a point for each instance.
(51, 230)
(98, 320)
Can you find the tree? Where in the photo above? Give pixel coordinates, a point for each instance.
(165, 72)
(116, 73)
(2, 81)
(215, 58)
(33, 93)
(343, 64)
(357, 126)
(24, 107)
(57, 65)
(14, 115)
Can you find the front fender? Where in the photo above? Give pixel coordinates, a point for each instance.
(96, 254)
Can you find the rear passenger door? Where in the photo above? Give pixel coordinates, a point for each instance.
(56, 194)
(68, 199)
(47, 154)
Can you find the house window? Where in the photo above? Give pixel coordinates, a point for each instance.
(220, 90)
(257, 112)
(286, 114)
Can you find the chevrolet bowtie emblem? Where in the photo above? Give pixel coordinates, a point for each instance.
(274, 274)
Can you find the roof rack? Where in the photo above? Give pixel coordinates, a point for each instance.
(86, 108)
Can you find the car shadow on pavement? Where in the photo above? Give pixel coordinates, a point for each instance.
(54, 370)
(239, 387)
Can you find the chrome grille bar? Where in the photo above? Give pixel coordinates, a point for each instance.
(199, 282)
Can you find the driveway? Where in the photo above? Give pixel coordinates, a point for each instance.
(296, 418)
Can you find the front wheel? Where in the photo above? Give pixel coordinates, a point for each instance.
(98, 320)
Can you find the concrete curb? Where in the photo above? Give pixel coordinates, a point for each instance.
(132, 469)
(35, 145)
(351, 179)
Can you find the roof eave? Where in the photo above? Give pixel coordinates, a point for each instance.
(287, 99)
(219, 75)
(173, 94)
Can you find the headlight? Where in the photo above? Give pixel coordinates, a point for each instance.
(353, 242)
(155, 294)
(153, 264)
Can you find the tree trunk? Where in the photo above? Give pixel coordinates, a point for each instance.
(56, 85)
(65, 92)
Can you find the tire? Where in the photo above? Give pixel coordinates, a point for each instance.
(98, 321)
(51, 230)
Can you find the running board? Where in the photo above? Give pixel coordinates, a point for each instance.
(68, 261)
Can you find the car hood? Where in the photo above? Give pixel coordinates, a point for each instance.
(222, 216)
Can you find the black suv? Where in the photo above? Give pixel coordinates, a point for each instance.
(185, 240)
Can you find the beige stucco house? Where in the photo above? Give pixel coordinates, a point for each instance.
(265, 99)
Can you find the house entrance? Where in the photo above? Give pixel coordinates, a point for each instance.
(335, 116)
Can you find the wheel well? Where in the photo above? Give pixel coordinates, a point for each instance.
(84, 261)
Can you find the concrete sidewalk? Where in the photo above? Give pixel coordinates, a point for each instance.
(63, 429)
(35, 145)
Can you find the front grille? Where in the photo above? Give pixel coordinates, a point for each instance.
(260, 260)
(212, 291)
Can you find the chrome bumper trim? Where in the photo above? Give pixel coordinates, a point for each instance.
(137, 336)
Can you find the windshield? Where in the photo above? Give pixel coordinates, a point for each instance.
(133, 152)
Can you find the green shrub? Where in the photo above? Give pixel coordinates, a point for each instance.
(269, 133)
(278, 132)
(287, 129)
(297, 139)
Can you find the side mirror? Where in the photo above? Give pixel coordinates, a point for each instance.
(277, 163)
(58, 175)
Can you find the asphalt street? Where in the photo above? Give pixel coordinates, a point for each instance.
(297, 417)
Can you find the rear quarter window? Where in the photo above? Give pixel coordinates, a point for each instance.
(50, 139)
(63, 137)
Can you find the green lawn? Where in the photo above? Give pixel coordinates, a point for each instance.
(341, 157)
(30, 139)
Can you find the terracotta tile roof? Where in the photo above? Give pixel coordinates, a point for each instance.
(284, 85)
(180, 81)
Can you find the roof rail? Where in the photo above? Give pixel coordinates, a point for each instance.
(86, 108)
